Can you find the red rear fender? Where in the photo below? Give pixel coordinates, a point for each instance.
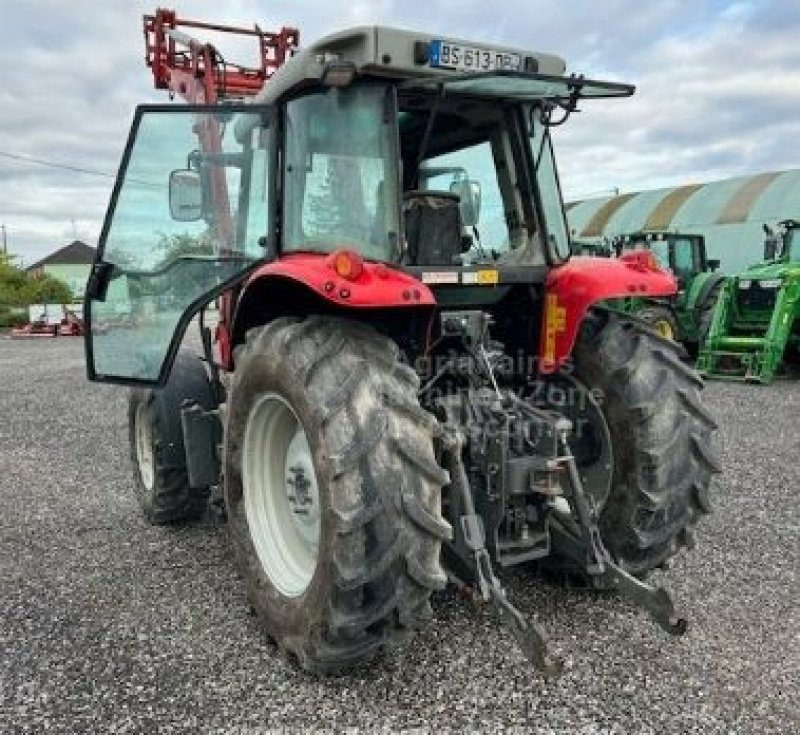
(309, 283)
(376, 285)
(572, 288)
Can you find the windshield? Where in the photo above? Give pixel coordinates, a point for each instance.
(341, 173)
(489, 235)
(468, 185)
(659, 248)
(685, 264)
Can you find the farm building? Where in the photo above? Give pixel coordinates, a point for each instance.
(730, 213)
(70, 264)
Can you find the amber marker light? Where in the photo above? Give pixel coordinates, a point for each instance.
(347, 264)
(641, 260)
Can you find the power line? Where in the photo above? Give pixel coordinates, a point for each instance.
(52, 164)
(77, 169)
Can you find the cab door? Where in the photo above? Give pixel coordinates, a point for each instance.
(189, 216)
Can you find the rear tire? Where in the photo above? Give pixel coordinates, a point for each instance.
(369, 569)
(661, 438)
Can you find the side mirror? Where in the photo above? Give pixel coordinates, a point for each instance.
(469, 199)
(713, 263)
(185, 195)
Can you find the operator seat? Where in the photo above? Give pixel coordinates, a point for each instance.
(433, 227)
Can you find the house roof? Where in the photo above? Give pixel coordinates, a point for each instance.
(76, 253)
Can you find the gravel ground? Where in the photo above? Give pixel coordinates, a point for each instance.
(107, 624)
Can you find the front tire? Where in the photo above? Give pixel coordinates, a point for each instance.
(161, 480)
(334, 592)
(706, 313)
(661, 320)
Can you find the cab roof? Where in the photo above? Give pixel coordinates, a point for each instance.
(393, 53)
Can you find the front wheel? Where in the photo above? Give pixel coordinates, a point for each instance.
(332, 489)
(161, 479)
(705, 314)
(661, 320)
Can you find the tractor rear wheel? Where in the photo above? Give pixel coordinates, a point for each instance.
(660, 440)
(659, 319)
(332, 489)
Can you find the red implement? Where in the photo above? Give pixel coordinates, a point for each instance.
(197, 71)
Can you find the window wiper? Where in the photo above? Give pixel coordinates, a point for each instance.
(426, 136)
(186, 257)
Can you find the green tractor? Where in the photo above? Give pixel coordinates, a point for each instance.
(755, 330)
(598, 248)
(686, 316)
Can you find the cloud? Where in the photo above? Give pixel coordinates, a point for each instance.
(714, 100)
(718, 92)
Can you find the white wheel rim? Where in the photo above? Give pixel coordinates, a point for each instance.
(281, 494)
(143, 437)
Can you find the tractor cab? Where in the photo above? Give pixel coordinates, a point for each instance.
(432, 157)
(685, 316)
(784, 244)
(684, 255)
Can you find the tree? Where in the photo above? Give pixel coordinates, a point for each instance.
(184, 244)
(18, 288)
(12, 282)
(45, 289)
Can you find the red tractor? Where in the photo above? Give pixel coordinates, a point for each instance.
(407, 373)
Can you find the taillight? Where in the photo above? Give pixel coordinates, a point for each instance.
(347, 264)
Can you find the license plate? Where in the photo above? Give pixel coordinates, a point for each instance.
(459, 57)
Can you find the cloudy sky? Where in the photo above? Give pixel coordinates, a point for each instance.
(718, 89)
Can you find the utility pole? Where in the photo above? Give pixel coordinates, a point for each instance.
(5, 243)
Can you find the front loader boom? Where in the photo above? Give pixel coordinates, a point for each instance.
(197, 71)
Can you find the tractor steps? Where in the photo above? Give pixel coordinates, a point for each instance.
(743, 365)
(728, 345)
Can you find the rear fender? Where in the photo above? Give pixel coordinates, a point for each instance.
(376, 286)
(302, 284)
(573, 287)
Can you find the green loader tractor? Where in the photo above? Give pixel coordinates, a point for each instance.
(685, 317)
(755, 330)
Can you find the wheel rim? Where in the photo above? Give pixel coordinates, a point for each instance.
(281, 494)
(590, 440)
(664, 328)
(145, 457)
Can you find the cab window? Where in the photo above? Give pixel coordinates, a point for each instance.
(473, 165)
(684, 258)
